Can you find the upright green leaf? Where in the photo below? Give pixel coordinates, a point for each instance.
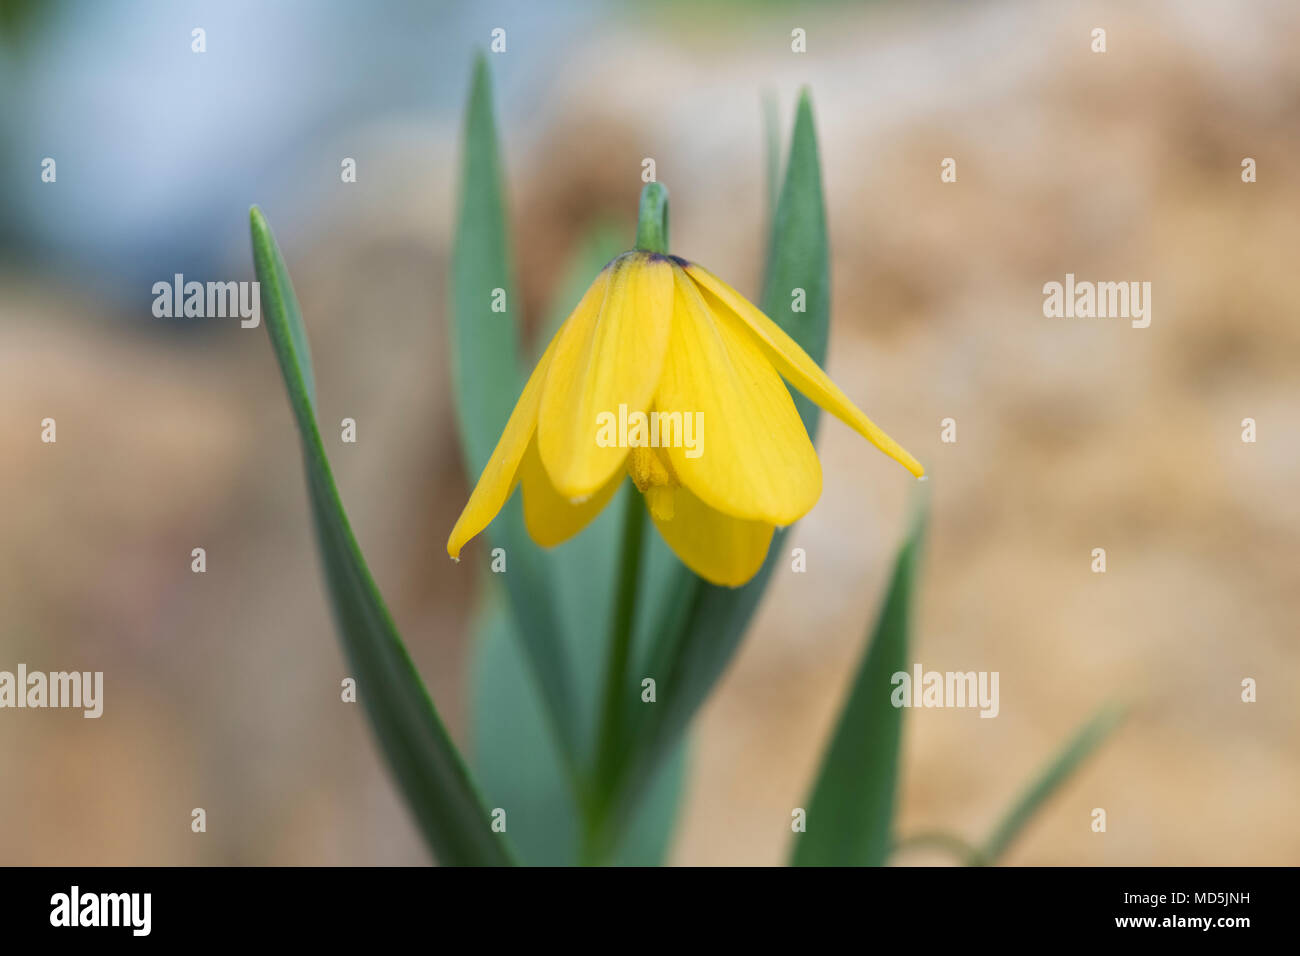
(486, 370)
(428, 768)
(851, 808)
(1063, 765)
(799, 253)
(1085, 741)
(697, 637)
(516, 762)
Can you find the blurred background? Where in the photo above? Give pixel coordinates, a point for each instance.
(222, 689)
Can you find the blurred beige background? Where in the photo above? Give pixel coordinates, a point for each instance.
(222, 689)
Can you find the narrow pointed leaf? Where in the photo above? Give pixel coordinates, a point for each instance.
(515, 759)
(486, 370)
(851, 808)
(430, 772)
(488, 381)
(1085, 741)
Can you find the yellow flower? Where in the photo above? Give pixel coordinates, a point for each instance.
(656, 334)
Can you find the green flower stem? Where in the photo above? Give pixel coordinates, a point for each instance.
(614, 705)
(652, 220)
(599, 838)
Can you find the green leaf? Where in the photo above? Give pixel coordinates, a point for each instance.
(1085, 741)
(428, 768)
(486, 372)
(693, 640)
(851, 808)
(519, 768)
(799, 253)
(488, 382)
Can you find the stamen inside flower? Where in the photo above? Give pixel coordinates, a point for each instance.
(654, 478)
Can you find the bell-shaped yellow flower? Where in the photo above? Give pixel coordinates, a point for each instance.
(666, 373)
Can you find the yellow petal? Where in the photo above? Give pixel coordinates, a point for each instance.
(609, 354)
(798, 368)
(752, 457)
(550, 517)
(719, 548)
(498, 478)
